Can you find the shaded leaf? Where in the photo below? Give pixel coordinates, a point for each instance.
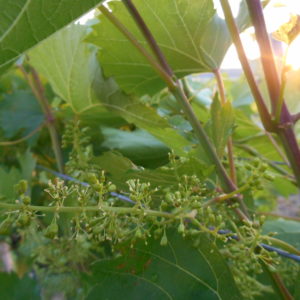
(14, 288)
(19, 110)
(288, 231)
(177, 271)
(138, 145)
(8, 178)
(25, 23)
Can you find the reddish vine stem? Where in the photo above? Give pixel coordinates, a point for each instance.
(296, 118)
(261, 106)
(284, 132)
(38, 90)
(284, 126)
(281, 287)
(148, 36)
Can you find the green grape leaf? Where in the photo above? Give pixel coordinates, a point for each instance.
(190, 34)
(222, 122)
(177, 271)
(71, 67)
(19, 111)
(14, 288)
(8, 178)
(7, 181)
(119, 169)
(288, 231)
(138, 145)
(25, 23)
(297, 288)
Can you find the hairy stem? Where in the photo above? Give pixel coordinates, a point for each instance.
(296, 117)
(267, 56)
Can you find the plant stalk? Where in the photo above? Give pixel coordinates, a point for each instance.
(261, 106)
(267, 57)
(284, 128)
(38, 90)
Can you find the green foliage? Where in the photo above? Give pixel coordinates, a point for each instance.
(191, 36)
(137, 145)
(19, 111)
(139, 211)
(26, 23)
(171, 272)
(222, 122)
(15, 288)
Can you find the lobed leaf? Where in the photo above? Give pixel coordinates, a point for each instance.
(71, 67)
(191, 35)
(178, 271)
(25, 23)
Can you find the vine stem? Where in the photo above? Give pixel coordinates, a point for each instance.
(283, 127)
(281, 287)
(79, 209)
(221, 88)
(38, 90)
(285, 133)
(261, 106)
(228, 196)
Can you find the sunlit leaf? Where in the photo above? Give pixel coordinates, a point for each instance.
(222, 121)
(288, 31)
(192, 37)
